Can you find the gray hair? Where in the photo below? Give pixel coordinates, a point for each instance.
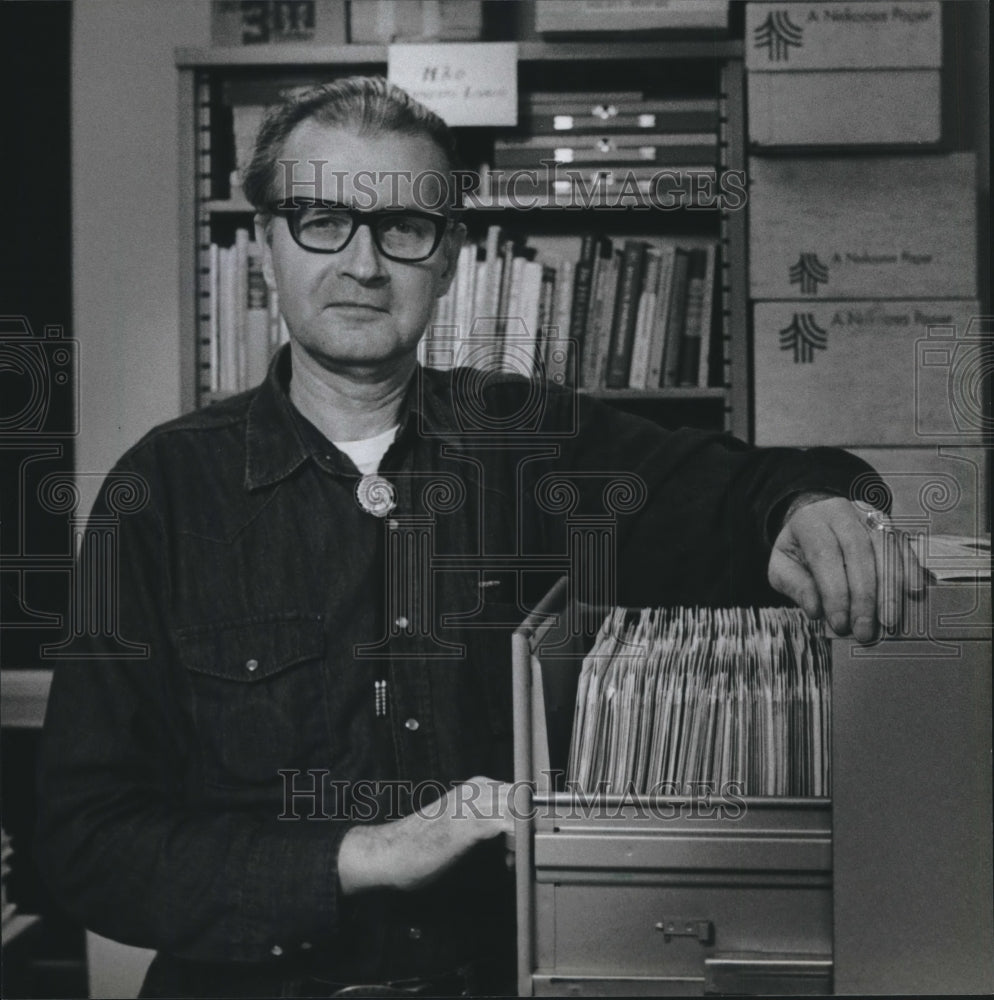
(369, 105)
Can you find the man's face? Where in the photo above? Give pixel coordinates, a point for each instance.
(356, 309)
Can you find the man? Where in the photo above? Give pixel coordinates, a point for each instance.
(299, 789)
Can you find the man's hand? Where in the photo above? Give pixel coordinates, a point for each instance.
(412, 852)
(833, 562)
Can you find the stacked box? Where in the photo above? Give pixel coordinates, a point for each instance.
(270, 22)
(866, 329)
(863, 227)
(384, 21)
(844, 74)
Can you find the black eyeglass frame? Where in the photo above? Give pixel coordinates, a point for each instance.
(292, 209)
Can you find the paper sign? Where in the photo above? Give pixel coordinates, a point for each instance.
(467, 83)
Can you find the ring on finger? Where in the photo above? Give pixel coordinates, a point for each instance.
(876, 520)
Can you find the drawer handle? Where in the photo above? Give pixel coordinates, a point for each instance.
(703, 930)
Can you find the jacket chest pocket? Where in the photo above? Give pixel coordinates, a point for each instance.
(258, 697)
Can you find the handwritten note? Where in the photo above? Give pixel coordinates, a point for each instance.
(467, 83)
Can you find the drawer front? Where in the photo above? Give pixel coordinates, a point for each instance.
(624, 929)
(616, 986)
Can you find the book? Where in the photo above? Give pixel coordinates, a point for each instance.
(689, 354)
(245, 122)
(707, 315)
(480, 288)
(605, 109)
(676, 116)
(557, 338)
(240, 313)
(214, 316)
(465, 312)
(593, 326)
(657, 345)
(607, 151)
(513, 327)
(542, 98)
(445, 307)
(546, 315)
(625, 314)
(493, 263)
(276, 324)
(639, 368)
(530, 299)
(442, 334)
(582, 278)
(611, 272)
(256, 330)
(584, 345)
(227, 333)
(506, 255)
(677, 308)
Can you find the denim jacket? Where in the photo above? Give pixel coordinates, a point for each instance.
(278, 664)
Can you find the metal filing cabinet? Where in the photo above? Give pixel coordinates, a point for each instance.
(884, 888)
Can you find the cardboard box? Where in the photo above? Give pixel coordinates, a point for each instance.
(869, 34)
(863, 227)
(867, 373)
(385, 21)
(833, 108)
(264, 22)
(565, 16)
(844, 74)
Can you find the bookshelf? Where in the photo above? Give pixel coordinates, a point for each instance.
(209, 213)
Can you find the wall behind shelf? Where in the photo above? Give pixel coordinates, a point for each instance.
(125, 183)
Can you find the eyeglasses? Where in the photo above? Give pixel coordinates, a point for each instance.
(403, 235)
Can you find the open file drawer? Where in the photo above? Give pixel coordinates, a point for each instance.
(676, 894)
(758, 896)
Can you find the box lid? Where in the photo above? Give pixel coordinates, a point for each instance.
(783, 37)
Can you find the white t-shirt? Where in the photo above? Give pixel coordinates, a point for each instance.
(368, 452)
